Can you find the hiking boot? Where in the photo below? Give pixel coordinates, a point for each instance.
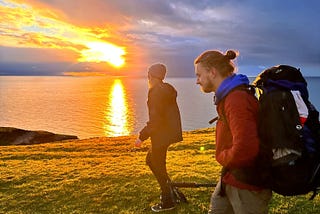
(178, 196)
(162, 207)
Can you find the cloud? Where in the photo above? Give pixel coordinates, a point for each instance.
(265, 33)
(175, 32)
(26, 26)
(26, 55)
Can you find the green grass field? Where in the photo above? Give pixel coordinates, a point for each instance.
(109, 175)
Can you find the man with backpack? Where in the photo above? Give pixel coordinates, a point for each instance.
(237, 140)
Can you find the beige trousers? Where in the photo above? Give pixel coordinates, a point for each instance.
(239, 201)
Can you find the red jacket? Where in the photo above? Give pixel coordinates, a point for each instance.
(237, 141)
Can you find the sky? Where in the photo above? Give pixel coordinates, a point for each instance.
(113, 37)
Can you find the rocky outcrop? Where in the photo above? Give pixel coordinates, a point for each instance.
(14, 136)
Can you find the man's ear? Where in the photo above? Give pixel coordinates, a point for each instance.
(213, 72)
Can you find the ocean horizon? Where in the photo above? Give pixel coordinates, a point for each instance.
(100, 106)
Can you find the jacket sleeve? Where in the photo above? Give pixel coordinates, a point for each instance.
(240, 110)
(156, 105)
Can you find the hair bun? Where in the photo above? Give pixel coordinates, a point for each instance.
(231, 54)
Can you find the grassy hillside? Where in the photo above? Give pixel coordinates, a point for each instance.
(109, 175)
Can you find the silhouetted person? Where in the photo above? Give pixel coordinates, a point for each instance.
(164, 128)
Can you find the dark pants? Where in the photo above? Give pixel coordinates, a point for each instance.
(156, 160)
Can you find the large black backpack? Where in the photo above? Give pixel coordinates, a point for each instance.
(294, 147)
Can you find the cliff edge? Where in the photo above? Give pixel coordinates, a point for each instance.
(15, 136)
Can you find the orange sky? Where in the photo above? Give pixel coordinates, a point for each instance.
(99, 35)
(29, 24)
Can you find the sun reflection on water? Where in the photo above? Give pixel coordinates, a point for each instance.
(117, 115)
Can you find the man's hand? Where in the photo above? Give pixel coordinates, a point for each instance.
(138, 143)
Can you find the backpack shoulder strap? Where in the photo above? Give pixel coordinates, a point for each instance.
(251, 89)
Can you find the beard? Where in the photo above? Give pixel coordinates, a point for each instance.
(207, 87)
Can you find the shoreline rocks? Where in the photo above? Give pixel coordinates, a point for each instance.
(15, 136)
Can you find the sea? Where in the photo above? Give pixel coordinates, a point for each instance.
(98, 106)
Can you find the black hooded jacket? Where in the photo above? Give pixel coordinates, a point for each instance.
(164, 125)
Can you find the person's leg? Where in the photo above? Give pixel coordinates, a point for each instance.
(178, 196)
(219, 204)
(245, 201)
(156, 160)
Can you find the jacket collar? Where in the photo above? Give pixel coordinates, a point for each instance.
(228, 84)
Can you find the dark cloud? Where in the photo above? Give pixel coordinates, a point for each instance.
(265, 33)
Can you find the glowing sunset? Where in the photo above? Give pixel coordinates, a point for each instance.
(103, 52)
(33, 26)
(130, 35)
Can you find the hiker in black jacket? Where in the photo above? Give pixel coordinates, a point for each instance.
(164, 128)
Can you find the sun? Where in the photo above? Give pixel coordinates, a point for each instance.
(103, 52)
